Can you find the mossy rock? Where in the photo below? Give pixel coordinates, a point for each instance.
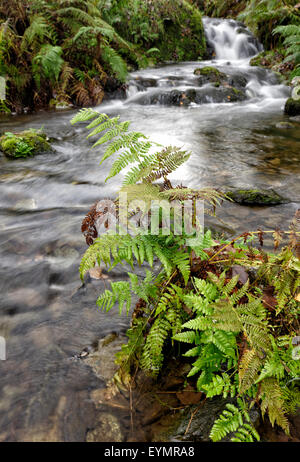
(292, 107)
(24, 144)
(210, 72)
(258, 197)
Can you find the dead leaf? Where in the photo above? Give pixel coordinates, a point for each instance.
(189, 396)
(240, 271)
(96, 273)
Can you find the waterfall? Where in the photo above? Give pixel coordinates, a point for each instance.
(230, 40)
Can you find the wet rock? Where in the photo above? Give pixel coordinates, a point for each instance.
(108, 430)
(292, 107)
(237, 81)
(295, 119)
(230, 87)
(209, 74)
(24, 144)
(143, 83)
(256, 197)
(102, 360)
(60, 105)
(201, 423)
(113, 89)
(284, 125)
(217, 94)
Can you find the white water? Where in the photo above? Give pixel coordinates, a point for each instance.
(233, 46)
(230, 39)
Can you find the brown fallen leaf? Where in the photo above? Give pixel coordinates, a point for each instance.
(269, 301)
(96, 273)
(189, 396)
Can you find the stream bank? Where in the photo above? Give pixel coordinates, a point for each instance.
(164, 410)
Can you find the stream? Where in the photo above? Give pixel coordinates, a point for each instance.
(46, 315)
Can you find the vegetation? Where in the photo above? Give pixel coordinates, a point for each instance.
(291, 34)
(274, 22)
(24, 144)
(171, 29)
(228, 307)
(63, 52)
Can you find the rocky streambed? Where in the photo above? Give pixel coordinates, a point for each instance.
(165, 410)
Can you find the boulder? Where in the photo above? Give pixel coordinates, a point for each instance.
(24, 144)
(258, 197)
(210, 74)
(284, 125)
(292, 107)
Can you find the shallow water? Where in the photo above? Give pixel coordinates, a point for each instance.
(46, 316)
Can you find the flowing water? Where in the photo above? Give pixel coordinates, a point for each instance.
(46, 315)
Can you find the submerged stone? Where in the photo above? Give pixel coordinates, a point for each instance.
(24, 144)
(256, 197)
(284, 125)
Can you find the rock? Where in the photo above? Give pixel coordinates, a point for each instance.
(292, 107)
(216, 94)
(102, 360)
(275, 161)
(237, 81)
(24, 144)
(256, 197)
(143, 83)
(284, 125)
(108, 430)
(202, 421)
(59, 104)
(296, 81)
(209, 74)
(295, 119)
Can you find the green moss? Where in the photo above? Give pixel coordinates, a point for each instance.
(24, 144)
(256, 197)
(208, 71)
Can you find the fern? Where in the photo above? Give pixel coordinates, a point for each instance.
(47, 63)
(152, 356)
(291, 34)
(115, 62)
(234, 420)
(236, 346)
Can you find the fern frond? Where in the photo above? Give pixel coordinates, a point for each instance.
(236, 420)
(273, 403)
(152, 355)
(120, 291)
